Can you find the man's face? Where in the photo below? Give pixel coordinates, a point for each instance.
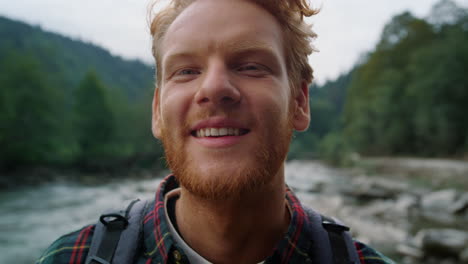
(224, 111)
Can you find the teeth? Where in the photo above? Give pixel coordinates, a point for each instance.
(215, 132)
(223, 131)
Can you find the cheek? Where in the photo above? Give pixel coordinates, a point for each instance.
(273, 94)
(277, 103)
(174, 106)
(272, 113)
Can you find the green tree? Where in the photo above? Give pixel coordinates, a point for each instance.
(94, 124)
(326, 105)
(378, 111)
(409, 96)
(439, 91)
(29, 114)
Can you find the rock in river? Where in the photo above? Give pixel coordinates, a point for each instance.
(443, 242)
(367, 188)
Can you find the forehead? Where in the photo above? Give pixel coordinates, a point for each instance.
(222, 25)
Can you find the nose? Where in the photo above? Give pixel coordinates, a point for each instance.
(217, 87)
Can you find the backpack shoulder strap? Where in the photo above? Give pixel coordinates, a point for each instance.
(339, 250)
(117, 235)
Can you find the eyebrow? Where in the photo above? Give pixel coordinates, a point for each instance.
(250, 46)
(232, 50)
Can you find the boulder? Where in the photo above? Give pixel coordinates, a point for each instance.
(437, 206)
(461, 205)
(464, 256)
(443, 242)
(366, 188)
(410, 251)
(439, 201)
(404, 205)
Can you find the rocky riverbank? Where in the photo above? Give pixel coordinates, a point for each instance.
(392, 204)
(411, 217)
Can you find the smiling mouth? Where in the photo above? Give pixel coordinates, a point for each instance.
(219, 132)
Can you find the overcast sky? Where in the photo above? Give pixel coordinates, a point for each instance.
(346, 28)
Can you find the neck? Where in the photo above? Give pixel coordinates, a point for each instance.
(244, 230)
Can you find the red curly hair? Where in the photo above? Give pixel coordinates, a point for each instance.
(290, 15)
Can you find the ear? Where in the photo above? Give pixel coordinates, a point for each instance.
(301, 118)
(156, 118)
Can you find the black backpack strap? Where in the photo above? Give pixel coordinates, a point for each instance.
(339, 250)
(117, 235)
(343, 248)
(319, 252)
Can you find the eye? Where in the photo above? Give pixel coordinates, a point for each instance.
(187, 72)
(253, 69)
(249, 67)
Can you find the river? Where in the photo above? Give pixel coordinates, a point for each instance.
(33, 217)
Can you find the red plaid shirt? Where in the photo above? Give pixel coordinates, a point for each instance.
(159, 246)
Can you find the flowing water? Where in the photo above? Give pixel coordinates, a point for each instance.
(32, 218)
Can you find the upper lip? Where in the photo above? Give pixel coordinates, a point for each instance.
(217, 122)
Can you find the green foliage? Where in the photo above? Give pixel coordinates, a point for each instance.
(440, 119)
(29, 113)
(410, 96)
(94, 123)
(56, 111)
(326, 106)
(72, 59)
(407, 97)
(335, 149)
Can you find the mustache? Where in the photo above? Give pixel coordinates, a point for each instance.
(209, 113)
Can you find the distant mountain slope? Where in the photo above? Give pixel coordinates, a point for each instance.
(68, 60)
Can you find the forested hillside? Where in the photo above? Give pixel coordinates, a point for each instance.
(65, 103)
(68, 103)
(69, 60)
(408, 96)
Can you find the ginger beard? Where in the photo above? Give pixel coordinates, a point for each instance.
(268, 157)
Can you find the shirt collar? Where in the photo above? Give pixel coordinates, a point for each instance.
(159, 245)
(191, 254)
(158, 242)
